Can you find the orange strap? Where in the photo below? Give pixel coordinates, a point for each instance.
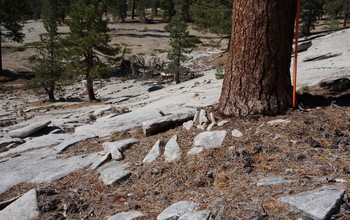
(296, 54)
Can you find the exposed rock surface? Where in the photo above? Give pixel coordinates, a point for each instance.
(101, 160)
(172, 150)
(177, 210)
(318, 204)
(164, 123)
(24, 208)
(29, 129)
(188, 125)
(201, 215)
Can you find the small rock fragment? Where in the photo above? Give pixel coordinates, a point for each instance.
(210, 139)
(272, 181)
(131, 215)
(154, 152)
(222, 123)
(278, 122)
(172, 150)
(188, 125)
(176, 210)
(236, 133)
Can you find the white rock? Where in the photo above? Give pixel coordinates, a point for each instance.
(154, 152)
(102, 110)
(196, 116)
(210, 126)
(273, 180)
(201, 215)
(212, 118)
(195, 150)
(113, 173)
(24, 208)
(188, 125)
(236, 133)
(210, 139)
(318, 204)
(202, 117)
(100, 161)
(176, 210)
(131, 215)
(28, 130)
(222, 123)
(278, 122)
(162, 124)
(172, 150)
(117, 148)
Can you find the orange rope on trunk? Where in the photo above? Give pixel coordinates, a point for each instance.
(296, 55)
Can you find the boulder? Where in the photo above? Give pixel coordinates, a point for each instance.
(177, 210)
(162, 124)
(154, 152)
(318, 204)
(172, 150)
(113, 173)
(273, 180)
(117, 148)
(28, 130)
(131, 215)
(24, 208)
(210, 139)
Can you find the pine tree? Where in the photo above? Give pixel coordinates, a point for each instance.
(48, 72)
(87, 43)
(311, 10)
(179, 41)
(11, 12)
(118, 8)
(212, 16)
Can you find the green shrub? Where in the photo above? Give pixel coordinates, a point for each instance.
(219, 74)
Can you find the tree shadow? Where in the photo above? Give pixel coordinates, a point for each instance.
(313, 101)
(10, 76)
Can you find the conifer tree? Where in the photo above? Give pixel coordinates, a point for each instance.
(311, 10)
(49, 70)
(118, 8)
(179, 41)
(87, 43)
(10, 22)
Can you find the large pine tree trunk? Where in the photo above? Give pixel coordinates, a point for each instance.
(133, 9)
(0, 54)
(257, 78)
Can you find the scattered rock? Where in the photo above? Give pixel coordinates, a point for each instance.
(222, 123)
(212, 118)
(196, 116)
(188, 125)
(202, 119)
(117, 148)
(100, 161)
(236, 133)
(176, 210)
(154, 152)
(26, 207)
(273, 180)
(113, 173)
(164, 123)
(317, 204)
(131, 215)
(172, 150)
(28, 130)
(201, 215)
(278, 122)
(210, 139)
